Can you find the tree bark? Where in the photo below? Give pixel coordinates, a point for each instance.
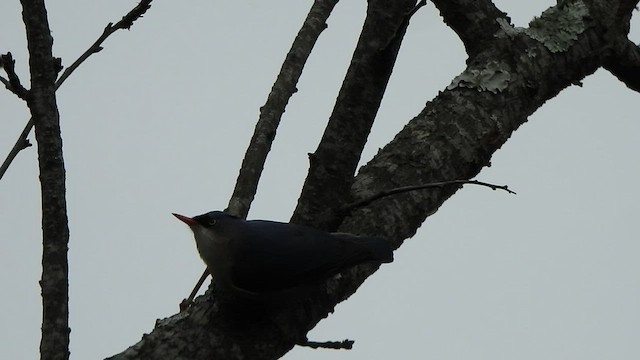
(55, 232)
(271, 113)
(334, 163)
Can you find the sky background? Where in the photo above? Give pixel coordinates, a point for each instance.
(159, 121)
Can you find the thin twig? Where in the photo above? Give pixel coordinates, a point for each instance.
(385, 193)
(13, 83)
(125, 23)
(415, 9)
(344, 344)
(186, 302)
(21, 144)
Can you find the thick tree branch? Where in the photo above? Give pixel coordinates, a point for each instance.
(125, 23)
(55, 232)
(455, 135)
(271, 113)
(625, 65)
(333, 164)
(475, 21)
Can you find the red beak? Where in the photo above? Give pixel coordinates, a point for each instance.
(185, 219)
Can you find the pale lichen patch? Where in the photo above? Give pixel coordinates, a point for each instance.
(494, 77)
(558, 27)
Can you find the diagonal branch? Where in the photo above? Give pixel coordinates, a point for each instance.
(333, 164)
(475, 21)
(271, 113)
(125, 23)
(21, 144)
(626, 65)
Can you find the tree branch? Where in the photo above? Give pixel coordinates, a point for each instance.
(344, 344)
(21, 144)
(455, 135)
(125, 23)
(271, 113)
(55, 232)
(475, 21)
(13, 84)
(333, 164)
(625, 65)
(404, 189)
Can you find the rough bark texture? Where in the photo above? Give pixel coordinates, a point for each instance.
(453, 137)
(473, 20)
(55, 232)
(333, 164)
(626, 65)
(271, 113)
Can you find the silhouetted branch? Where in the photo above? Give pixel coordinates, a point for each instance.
(13, 84)
(54, 283)
(21, 144)
(475, 21)
(333, 164)
(400, 190)
(626, 65)
(188, 301)
(344, 344)
(271, 113)
(124, 23)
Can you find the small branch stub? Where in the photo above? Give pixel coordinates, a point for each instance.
(336, 345)
(13, 84)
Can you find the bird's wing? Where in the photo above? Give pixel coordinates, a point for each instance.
(275, 256)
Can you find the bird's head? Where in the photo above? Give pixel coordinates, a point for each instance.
(210, 220)
(210, 226)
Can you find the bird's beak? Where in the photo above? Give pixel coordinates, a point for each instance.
(185, 219)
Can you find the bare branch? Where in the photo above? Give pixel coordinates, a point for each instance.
(626, 65)
(188, 301)
(13, 84)
(475, 21)
(271, 113)
(333, 164)
(21, 144)
(125, 23)
(54, 283)
(344, 344)
(404, 189)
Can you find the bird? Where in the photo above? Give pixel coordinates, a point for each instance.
(252, 257)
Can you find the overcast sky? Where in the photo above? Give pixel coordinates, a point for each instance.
(159, 121)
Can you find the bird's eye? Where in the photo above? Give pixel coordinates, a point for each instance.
(212, 222)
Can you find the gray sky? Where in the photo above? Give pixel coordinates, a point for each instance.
(159, 121)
